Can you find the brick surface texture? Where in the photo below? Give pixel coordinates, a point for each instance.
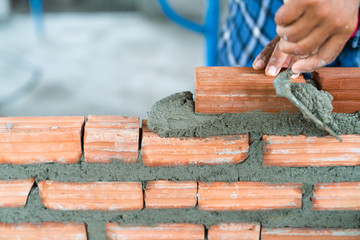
(106, 196)
(309, 234)
(337, 196)
(303, 151)
(343, 84)
(234, 231)
(165, 152)
(221, 196)
(30, 140)
(178, 231)
(111, 137)
(43, 231)
(170, 194)
(236, 90)
(14, 193)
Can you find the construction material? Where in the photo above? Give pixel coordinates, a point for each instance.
(166, 152)
(14, 193)
(174, 116)
(220, 196)
(170, 194)
(43, 231)
(236, 90)
(302, 151)
(103, 142)
(109, 196)
(82, 192)
(343, 84)
(314, 105)
(35, 140)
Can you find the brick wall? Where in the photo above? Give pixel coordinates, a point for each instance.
(110, 178)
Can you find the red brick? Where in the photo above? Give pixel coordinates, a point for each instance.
(157, 151)
(303, 151)
(343, 84)
(170, 194)
(31, 140)
(106, 196)
(111, 137)
(236, 90)
(234, 231)
(309, 234)
(337, 78)
(337, 196)
(14, 193)
(169, 231)
(346, 106)
(43, 231)
(222, 196)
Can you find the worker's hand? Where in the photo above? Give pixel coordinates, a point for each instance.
(316, 30)
(273, 58)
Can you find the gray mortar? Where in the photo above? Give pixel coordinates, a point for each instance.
(174, 116)
(183, 122)
(317, 102)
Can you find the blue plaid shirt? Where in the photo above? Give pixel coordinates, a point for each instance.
(250, 26)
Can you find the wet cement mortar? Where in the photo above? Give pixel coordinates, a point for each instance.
(183, 122)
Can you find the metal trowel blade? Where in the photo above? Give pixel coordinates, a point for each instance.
(282, 87)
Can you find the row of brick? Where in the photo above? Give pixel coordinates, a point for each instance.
(343, 84)
(30, 140)
(184, 231)
(214, 196)
(243, 89)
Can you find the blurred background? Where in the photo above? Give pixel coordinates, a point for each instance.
(114, 57)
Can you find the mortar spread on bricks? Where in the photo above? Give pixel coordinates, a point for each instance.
(174, 116)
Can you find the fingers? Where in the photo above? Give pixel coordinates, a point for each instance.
(262, 59)
(306, 46)
(276, 61)
(289, 12)
(299, 29)
(326, 54)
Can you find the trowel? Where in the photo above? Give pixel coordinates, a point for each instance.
(282, 87)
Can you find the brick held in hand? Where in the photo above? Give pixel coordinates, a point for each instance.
(111, 137)
(309, 234)
(234, 231)
(14, 193)
(43, 231)
(237, 90)
(223, 196)
(165, 152)
(337, 196)
(170, 194)
(304, 151)
(169, 231)
(105, 196)
(32, 140)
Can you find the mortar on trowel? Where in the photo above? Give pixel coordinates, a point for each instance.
(283, 89)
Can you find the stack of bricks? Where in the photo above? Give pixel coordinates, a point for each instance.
(107, 178)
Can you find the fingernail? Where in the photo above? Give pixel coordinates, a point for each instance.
(272, 71)
(295, 75)
(259, 64)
